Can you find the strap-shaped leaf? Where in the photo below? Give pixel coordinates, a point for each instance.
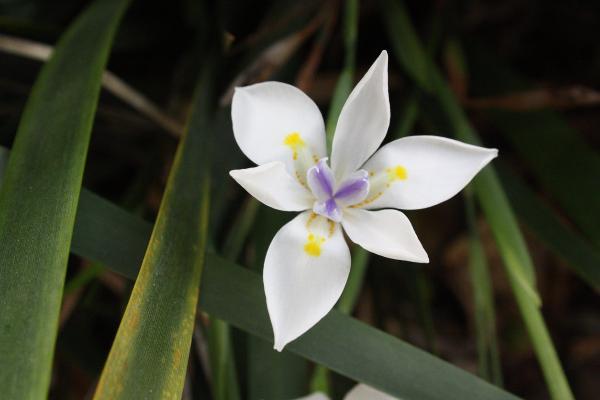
(39, 196)
(493, 200)
(541, 137)
(582, 257)
(235, 295)
(149, 356)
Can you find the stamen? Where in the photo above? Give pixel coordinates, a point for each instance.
(295, 142)
(380, 181)
(302, 155)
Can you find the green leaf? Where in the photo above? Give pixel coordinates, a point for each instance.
(345, 82)
(483, 297)
(3, 162)
(339, 342)
(39, 196)
(224, 375)
(582, 257)
(493, 201)
(571, 177)
(541, 137)
(149, 356)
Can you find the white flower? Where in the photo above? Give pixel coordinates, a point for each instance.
(281, 129)
(359, 392)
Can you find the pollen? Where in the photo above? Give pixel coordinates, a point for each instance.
(313, 245)
(397, 173)
(294, 141)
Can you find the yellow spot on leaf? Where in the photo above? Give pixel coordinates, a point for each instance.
(313, 245)
(294, 141)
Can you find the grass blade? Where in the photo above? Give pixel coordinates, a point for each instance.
(485, 315)
(540, 137)
(225, 383)
(581, 256)
(39, 196)
(493, 201)
(345, 82)
(149, 356)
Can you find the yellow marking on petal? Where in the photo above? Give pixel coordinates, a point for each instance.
(302, 181)
(313, 245)
(331, 227)
(367, 201)
(311, 218)
(396, 173)
(294, 141)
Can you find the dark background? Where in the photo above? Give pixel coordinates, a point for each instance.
(552, 47)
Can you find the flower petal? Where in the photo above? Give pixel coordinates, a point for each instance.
(364, 392)
(354, 189)
(274, 121)
(305, 272)
(320, 180)
(273, 186)
(387, 233)
(315, 396)
(421, 171)
(363, 121)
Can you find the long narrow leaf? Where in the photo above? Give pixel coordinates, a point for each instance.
(483, 297)
(148, 359)
(39, 196)
(583, 258)
(235, 295)
(540, 137)
(493, 201)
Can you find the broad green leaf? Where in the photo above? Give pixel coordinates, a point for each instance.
(39, 196)
(149, 356)
(235, 294)
(581, 256)
(492, 199)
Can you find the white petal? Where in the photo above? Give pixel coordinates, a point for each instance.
(305, 272)
(363, 121)
(271, 184)
(264, 114)
(364, 392)
(435, 169)
(387, 233)
(315, 396)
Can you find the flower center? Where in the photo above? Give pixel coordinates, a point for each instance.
(330, 198)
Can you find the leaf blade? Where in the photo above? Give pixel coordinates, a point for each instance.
(149, 356)
(235, 294)
(39, 196)
(495, 204)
